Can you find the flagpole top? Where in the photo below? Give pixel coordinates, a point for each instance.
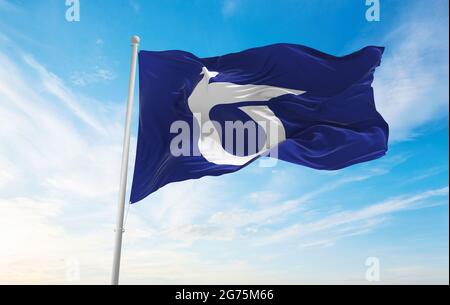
(135, 39)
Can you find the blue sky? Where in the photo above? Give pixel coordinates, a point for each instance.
(62, 99)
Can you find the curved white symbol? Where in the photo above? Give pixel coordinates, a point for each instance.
(207, 95)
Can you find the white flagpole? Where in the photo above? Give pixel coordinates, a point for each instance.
(135, 40)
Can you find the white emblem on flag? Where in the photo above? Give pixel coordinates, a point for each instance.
(208, 95)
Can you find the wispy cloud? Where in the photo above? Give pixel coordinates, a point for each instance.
(430, 172)
(99, 71)
(411, 86)
(7, 6)
(55, 86)
(357, 220)
(97, 75)
(203, 219)
(56, 158)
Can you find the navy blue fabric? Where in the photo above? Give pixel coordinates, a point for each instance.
(333, 125)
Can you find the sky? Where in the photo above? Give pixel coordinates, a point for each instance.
(63, 89)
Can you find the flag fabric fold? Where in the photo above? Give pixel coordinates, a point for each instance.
(322, 105)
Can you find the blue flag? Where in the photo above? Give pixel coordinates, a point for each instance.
(211, 116)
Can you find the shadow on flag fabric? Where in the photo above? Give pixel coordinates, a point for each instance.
(322, 108)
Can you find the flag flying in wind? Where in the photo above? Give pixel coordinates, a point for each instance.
(211, 116)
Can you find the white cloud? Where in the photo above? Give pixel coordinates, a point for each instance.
(191, 216)
(350, 222)
(188, 214)
(97, 75)
(54, 140)
(55, 86)
(411, 86)
(59, 166)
